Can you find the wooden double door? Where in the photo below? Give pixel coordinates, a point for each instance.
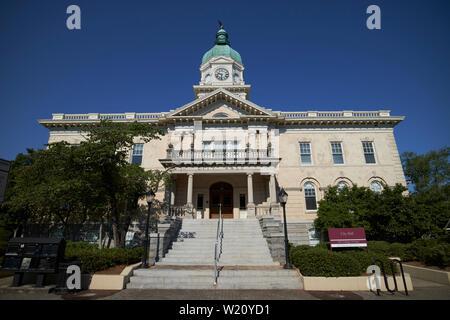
(221, 193)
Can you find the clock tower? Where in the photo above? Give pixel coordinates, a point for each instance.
(222, 68)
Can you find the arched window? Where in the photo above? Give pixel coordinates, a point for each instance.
(208, 78)
(310, 196)
(376, 186)
(220, 115)
(341, 185)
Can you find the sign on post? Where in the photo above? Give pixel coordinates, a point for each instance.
(4, 171)
(347, 237)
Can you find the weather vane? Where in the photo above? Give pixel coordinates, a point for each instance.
(220, 24)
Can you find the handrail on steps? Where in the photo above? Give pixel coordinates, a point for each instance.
(218, 245)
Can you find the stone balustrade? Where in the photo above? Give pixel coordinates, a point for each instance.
(336, 114)
(286, 115)
(234, 156)
(102, 116)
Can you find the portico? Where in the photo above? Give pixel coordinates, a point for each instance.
(243, 193)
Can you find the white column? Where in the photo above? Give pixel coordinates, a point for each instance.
(251, 212)
(272, 191)
(273, 197)
(189, 189)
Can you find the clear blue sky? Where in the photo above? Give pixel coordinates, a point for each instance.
(144, 56)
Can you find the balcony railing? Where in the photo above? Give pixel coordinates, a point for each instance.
(233, 156)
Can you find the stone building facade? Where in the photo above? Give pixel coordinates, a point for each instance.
(224, 150)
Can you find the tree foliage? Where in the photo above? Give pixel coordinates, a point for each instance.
(93, 181)
(390, 216)
(427, 172)
(394, 215)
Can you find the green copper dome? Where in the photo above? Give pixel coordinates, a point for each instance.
(222, 48)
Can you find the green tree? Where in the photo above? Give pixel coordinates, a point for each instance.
(430, 174)
(107, 147)
(64, 184)
(52, 187)
(389, 216)
(427, 171)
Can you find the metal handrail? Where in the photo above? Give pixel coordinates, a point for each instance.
(219, 237)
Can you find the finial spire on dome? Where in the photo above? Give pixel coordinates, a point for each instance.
(222, 35)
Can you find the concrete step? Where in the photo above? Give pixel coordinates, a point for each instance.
(210, 262)
(169, 285)
(214, 232)
(243, 244)
(223, 257)
(226, 273)
(168, 279)
(174, 273)
(260, 286)
(207, 242)
(225, 250)
(244, 259)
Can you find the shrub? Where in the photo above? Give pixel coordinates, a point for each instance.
(379, 246)
(323, 245)
(418, 248)
(365, 259)
(323, 263)
(94, 259)
(438, 255)
(318, 261)
(397, 250)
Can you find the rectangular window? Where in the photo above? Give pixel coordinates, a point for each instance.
(136, 154)
(369, 153)
(242, 204)
(336, 149)
(305, 152)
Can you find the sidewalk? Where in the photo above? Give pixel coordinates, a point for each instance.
(423, 290)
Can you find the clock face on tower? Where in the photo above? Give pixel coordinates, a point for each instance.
(221, 74)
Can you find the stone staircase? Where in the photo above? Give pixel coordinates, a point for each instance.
(245, 262)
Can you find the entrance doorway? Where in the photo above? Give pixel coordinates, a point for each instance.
(221, 193)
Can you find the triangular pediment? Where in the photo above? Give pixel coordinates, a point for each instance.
(220, 109)
(220, 103)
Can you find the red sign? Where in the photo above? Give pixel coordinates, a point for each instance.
(347, 237)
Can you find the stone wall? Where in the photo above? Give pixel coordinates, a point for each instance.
(273, 230)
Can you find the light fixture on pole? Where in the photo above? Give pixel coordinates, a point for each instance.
(283, 197)
(149, 197)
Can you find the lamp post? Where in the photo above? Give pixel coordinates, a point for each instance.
(283, 196)
(149, 196)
